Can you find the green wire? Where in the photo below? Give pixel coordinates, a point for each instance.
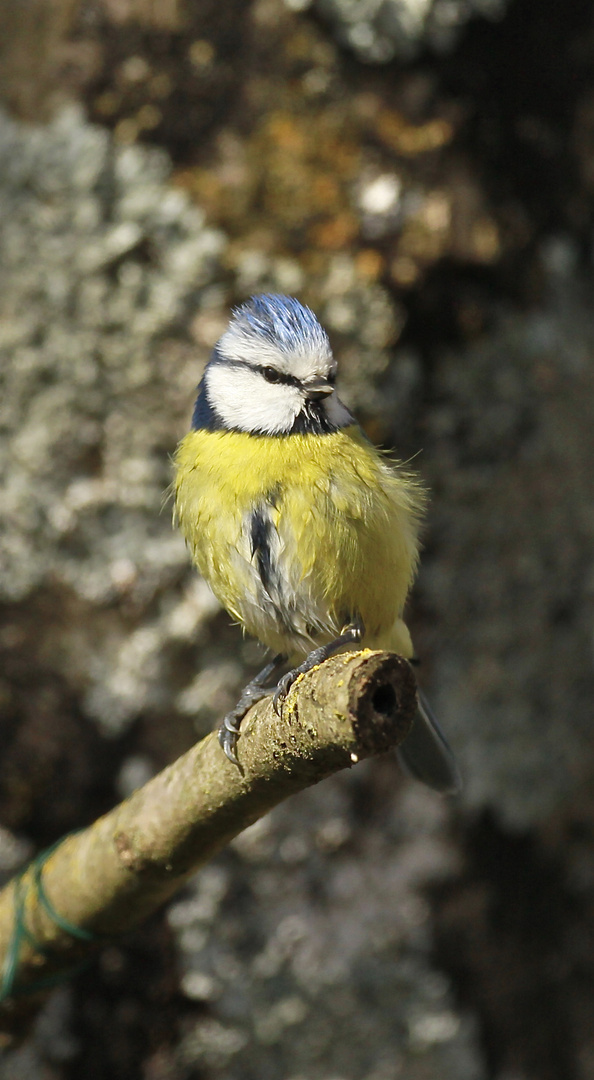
(12, 956)
(48, 907)
(21, 932)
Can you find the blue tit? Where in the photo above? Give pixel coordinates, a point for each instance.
(307, 534)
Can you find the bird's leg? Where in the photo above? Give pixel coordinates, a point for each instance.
(349, 635)
(253, 692)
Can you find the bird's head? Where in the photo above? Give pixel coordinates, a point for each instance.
(271, 373)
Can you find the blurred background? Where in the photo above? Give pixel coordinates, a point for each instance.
(421, 173)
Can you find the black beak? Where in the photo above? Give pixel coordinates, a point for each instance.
(318, 389)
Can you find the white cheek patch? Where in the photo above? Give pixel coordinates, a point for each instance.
(245, 401)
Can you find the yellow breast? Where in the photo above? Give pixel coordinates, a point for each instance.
(342, 531)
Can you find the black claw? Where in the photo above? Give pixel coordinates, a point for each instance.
(228, 736)
(282, 690)
(228, 741)
(229, 751)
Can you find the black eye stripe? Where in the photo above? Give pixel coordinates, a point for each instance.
(272, 375)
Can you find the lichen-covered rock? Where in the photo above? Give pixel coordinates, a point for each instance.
(103, 263)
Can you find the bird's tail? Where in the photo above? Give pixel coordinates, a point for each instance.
(426, 755)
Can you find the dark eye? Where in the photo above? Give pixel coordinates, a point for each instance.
(331, 377)
(271, 374)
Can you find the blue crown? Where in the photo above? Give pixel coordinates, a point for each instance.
(281, 320)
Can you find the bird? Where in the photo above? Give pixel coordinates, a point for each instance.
(307, 534)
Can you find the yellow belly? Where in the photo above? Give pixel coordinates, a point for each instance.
(343, 533)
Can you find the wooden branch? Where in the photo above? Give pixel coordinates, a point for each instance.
(109, 877)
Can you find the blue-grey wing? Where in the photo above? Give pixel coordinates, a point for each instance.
(426, 755)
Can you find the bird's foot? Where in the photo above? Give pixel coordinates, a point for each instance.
(252, 693)
(350, 635)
